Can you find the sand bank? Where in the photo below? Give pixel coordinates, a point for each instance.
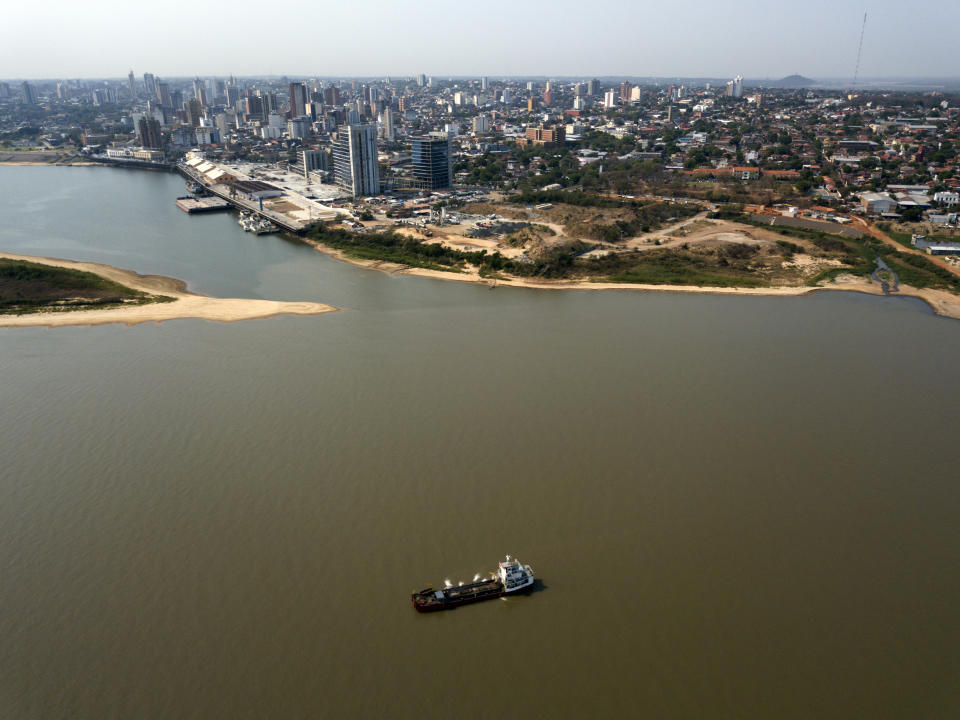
(185, 305)
(941, 301)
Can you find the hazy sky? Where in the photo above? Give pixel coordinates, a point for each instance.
(712, 38)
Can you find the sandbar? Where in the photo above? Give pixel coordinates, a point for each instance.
(185, 304)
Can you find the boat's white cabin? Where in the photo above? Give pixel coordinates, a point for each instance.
(515, 576)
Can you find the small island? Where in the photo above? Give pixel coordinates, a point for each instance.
(52, 292)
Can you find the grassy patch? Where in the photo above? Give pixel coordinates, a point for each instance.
(918, 271)
(31, 287)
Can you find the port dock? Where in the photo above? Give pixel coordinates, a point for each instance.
(193, 205)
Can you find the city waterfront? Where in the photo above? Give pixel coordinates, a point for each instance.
(736, 506)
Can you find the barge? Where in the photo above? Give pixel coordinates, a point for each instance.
(509, 577)
(191, 205)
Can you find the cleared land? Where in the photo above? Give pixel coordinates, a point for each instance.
(678, 247)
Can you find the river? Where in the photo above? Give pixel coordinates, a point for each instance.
(737, 507)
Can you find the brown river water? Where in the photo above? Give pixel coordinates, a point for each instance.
(736, 507)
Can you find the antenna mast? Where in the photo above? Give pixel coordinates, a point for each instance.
(863, 29)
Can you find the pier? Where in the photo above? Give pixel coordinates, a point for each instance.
(222, 193)
(191, 205)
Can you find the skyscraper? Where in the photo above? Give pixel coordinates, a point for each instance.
(132, 83)
(421, 80)
(163, 94)
(148, 129)
(253, 106)
(388, 131)
(149, 84)
(432, 162)
(735, 87)
(593, 87)
(193, 112)
(298, 100)
(483, 83)
(355, 159)
(29, 93)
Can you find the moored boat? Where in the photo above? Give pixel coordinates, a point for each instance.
(509, 577)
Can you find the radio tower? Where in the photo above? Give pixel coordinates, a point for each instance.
(863, 29)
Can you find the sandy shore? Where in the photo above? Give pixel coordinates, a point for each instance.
(185, 305)
(941, 301)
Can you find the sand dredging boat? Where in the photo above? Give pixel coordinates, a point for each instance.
(509, 577)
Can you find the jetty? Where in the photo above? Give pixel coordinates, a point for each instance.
(191, 205)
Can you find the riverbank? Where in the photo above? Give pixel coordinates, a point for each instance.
(185, 304)
(940, 301)
(48, 163)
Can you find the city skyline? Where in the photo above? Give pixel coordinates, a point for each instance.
(686, 39)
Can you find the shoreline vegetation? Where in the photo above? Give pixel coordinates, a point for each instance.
(50, 292)
(770, 261)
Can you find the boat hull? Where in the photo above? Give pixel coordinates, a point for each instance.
(427, 601)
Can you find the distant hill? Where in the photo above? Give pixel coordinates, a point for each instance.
(794, 81)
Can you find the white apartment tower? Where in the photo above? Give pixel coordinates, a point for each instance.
(355, 160)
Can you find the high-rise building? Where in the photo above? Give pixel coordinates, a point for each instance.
(421, 80)
(269, 100)
(531, 104)
(432, 162)
(625, 88)
(29, 93)
(388, 131)
(481, 124)
(297, 128)
(548, 97)
(132, 84)
(735, 87)
(148, 130)
(355, 159)
(298, 100)
(610, 99)
(194, 110)
(61, 90)
(233, 94)
(225, 124)
(402, 103)
(483, 83)
(163, 94)
(253, 106)
(530, 86)
(593, 87)
(331, 95)
(149, 84)
(311, 160)
(4, 90)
